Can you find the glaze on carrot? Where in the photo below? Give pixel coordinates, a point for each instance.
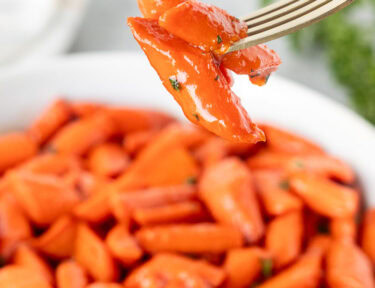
(69, 274)
(14, 276)
(153, 9)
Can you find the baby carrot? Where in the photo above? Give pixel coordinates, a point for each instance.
(23, 148)
(284, 246)
(343, 228)
(123, 246)
(104, 285)
(136, 141)
(266, 159)
(92, 253)
(69, 274)
(85, 109)
(14, 276)
(324, 196)
(50, 121)
(211, 152)
(368, 234)
(227, 190)
(194, 238)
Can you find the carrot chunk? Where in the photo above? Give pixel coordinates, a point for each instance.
(343, 228)
(368, 234)
(136, 141)
(104, 285)
(69, 274)
(14, 276)
(154, 8)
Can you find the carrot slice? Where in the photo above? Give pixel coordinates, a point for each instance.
(79, 136)
(69, 274)
(243, 266)
(209, 103)
(285, 247)
(343, 228)
(92, 253)
(325, 197)
(203, 25)
(104, 285)
(178, 270)
(194, 238)
(154, 8)
(123, 246)
(273, 189)
(13, 276)
(136, 141)
(85, 109)
(227, 190)
(23, 148)
(348, 266)
(368, 234)
(58, 240)
(50, 121)
(266, 159)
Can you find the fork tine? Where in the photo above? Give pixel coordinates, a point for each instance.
(292, 25)
(268, 9)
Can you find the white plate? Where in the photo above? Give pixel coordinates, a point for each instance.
(128, 79)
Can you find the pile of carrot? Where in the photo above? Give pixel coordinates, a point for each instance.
(105, 197)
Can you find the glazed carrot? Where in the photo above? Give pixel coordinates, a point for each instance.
(343, 228)
(69, 274)
(368, 234)
(179, 212)
(325, 197)
(89, 184)
(23, 148)
(203, 25)
(44, 198)
(194, 238)
(266, 159)
(108, 160)
(58, 240)
(104, 285)
(92, 253)
(50, 121)
(273, 189)
(84, 109)
(24, 256)
(348, 266)
(227, 190)
(14, 276)
(175, 270)
(204, 100)
(244, 266)
(284, 238)
(154, 8)
(136, 141)
(123, 246)
(79, 136)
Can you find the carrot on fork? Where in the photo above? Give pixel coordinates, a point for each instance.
(69, 274)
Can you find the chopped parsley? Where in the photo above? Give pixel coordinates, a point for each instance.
(299, 163)
(266, 264)
(196, 116)
(284, 185)
(175, 84)
(219, 40)
(191, 180)
(217, 77)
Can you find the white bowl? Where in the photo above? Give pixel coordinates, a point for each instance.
(128, 79)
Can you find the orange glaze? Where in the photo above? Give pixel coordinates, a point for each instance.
(190, 75)
(206, 26)
(154, 8)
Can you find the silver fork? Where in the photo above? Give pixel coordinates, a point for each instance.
(285, 17)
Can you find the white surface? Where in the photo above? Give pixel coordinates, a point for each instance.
(128, 79)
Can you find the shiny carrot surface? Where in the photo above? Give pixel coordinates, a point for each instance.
(154, 8)
(69, 274)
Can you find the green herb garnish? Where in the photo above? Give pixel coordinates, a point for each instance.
(217, 77)
(191, 180)
(219, 40)
(266, 264)
(175, 84)
(299, 164)
(284, 185)
(196, 116)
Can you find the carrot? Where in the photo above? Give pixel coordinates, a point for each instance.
(89, 184)
(285, 247)
(104, 285)
(368, 234)
(343, 228)
(194, 238)
(85, 109)
(179, 212)
(69, 274)
(266, 159)
(243, 266)
(78, 137)
(14, 276)
(123, 246)
(22, 148)
(325, 197)
(136, 141)
(177, 270)
(24, 256)
(58, 240)
(108, 160)
(348, 266)
(227, 190)
(44, 198)
(274, 192)
(154, 9)
(50, 121)
(212, 151)
(92, 253)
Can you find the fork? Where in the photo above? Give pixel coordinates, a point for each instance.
(285, 17)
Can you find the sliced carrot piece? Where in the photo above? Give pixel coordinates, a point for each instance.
(79, 136)
(26, 257)
(266, 159)
(319, 244)
(104, 285)
(343, 228)
(274, 191)
(84, 109)
(69, 274)
(154, 8)
(123, 246)
(92, 253)
(243, 266)
(136, 141)
(348, 266)
(14, 276)
(368, 234)
(108, 160)
(23, 148)
(179, 212)
(193, 238)
(50, 121)
(89, 184)
(227, 190)
(325, 197)
(58, 240)
(177, 270)
(284, 246)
